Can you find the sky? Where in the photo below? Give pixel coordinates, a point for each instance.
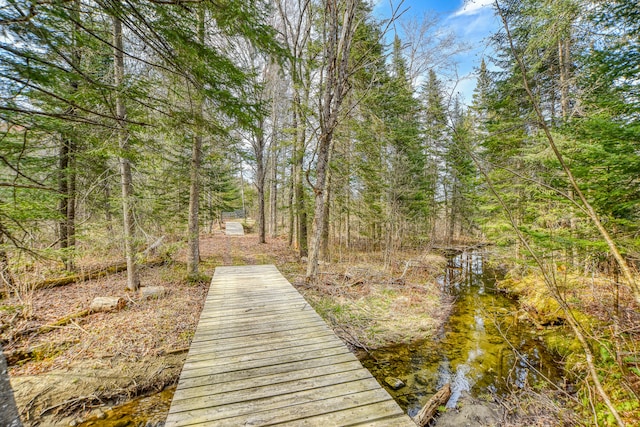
(472, 21)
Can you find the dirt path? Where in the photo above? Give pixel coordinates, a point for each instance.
(227, 259)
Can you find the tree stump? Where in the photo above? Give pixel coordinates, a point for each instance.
(107, 304)
(149, 292)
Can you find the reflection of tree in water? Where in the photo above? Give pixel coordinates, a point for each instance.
(471, 353)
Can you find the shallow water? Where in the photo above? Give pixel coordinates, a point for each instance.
(475, 349)
(141, 412)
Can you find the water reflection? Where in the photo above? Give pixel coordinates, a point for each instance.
(148, 411)
(471, 352)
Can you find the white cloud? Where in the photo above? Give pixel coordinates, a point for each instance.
(473, 7)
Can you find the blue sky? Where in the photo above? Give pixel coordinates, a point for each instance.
(472, 21)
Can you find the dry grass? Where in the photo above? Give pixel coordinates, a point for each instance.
(530, 408)
(597, 296)
(105, 358)
(370, 307)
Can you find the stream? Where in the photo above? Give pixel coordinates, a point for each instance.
(475, 350)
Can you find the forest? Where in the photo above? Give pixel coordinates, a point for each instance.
(131, 129)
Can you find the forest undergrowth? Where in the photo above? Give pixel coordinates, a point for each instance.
(84, 366)
(608, 317)
(65, 374)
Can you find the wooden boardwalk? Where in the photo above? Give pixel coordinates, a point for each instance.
(261, 356)
(233, 228)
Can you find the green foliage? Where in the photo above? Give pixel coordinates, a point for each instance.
(58, 94)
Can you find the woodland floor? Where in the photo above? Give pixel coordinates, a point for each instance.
(103, 359)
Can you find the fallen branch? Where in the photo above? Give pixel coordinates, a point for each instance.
(152, 248)
(177, 350)
(429, 410)
(51, 326)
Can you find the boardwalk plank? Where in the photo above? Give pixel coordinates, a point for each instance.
(272, 361)
(208, 389)
(250, 374)
(347, 380)
(307, 331)
(356, 411)
(262, 356)
(215, 360)
(355, 407)
(245, 347)
(245, 413)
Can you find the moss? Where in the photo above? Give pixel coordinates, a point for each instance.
(200, 278)
(10, 308)
(559, 341)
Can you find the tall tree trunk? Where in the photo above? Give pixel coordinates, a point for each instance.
(67, 172)
(76, 59)
(321, 196)
(260, 181)
(106, 188)
(339, 32)
(193, 231)
(273, 192)
(193, 226)
(453, 210)
(298, 164)
(292, 218)
(564, 59)
(133, 280)
(71, 206)
(324, 247)
(63, 189)
(272, 172)
(6, 279)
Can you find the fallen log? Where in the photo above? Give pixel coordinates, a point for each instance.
(92, 274)
(107, 304)
(51, 326)
(429, 410)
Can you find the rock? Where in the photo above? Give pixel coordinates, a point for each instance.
(470, 413)
(148, 292)
(424, 379)
(394, 383)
